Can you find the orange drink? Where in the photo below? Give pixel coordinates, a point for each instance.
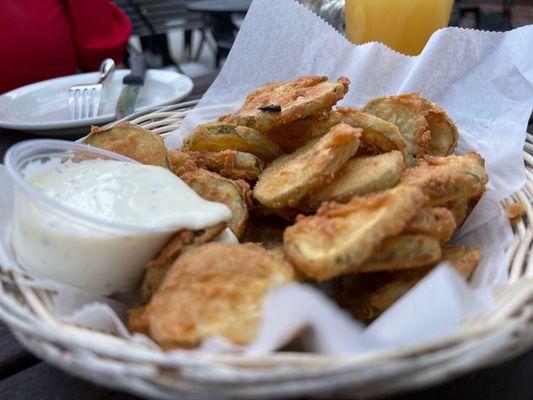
(404, 25)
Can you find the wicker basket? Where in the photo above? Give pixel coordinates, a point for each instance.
(115, 362)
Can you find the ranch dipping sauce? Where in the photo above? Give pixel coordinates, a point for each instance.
(116, 216)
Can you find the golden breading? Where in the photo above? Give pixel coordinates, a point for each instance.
(459, 209)
(359, 176)
(366, 296)
(279, 103)
(217, 137)
(215, 289)
(231, 164)
(341, 237)
(463, 259)
(131, 141)
(446, 179)
(235, 194)
(289, 178)
(444, 134)
(378, 135)
(407, 113)
(402, 252)
(438, 222)
(182, 242)
(137, 320)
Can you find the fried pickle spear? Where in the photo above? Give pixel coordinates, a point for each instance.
(215, 289)
(223, 136)
(278, 103)
(213, 187)
(447, 179)
(438, 222)
(402, 252)
(366, 296)
(131, 141)
(230, 164)
(341, 237)
(289, 178)
(378, 135)
(359, 176)
(182, 242)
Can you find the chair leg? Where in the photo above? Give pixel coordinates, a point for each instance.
(200, 45)
(187, 43)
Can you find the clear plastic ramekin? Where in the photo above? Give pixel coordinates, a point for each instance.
(60, 243)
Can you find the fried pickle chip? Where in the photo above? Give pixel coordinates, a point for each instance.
(444, 134)
(137, 321)
(231, 164)
(215, 289)
(366, 296)
(446, 179)
(402, 252)
(289, 178)
(462, 258)
(213, 187)
(182, 242)
(378, 135)
(341, 237)
(131, 141)
(279, 103)
(459, 209)
(407, 113)
(223, 136)
(438, 222)
(359, 176)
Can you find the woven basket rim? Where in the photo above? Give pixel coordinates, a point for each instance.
(24, 309)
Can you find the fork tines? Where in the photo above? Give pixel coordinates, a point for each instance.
(84, 101)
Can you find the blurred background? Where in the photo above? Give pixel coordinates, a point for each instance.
(195, 37)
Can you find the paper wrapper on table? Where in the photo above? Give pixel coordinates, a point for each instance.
(484, 80)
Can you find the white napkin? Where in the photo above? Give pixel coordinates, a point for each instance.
(484, 80)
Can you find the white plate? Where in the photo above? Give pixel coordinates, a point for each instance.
(42, 107)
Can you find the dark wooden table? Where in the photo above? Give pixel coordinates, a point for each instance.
(24, 377)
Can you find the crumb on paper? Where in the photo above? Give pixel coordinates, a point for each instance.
(514, 211)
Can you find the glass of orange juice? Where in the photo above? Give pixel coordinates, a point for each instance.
(404, 25)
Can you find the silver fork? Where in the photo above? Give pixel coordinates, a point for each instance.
(84, 100)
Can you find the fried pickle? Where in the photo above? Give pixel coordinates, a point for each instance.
(378, 135)
(131, 141)
(366, 296)
(182, 242)
(289, 178)
(444, 134)
(279, 103)
(438, 222)
(341, 237)
(408, 115)
(230, 164)
(447, 179)
(215, 289)
(235, 194)
(359, 176)
(218, 137)
(402, 252)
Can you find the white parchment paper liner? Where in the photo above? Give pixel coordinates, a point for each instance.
(482, 79)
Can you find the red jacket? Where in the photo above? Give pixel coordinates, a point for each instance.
(43, 39)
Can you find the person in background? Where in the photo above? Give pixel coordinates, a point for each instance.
(43, 39)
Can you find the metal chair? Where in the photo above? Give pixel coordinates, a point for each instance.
(152, 19)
